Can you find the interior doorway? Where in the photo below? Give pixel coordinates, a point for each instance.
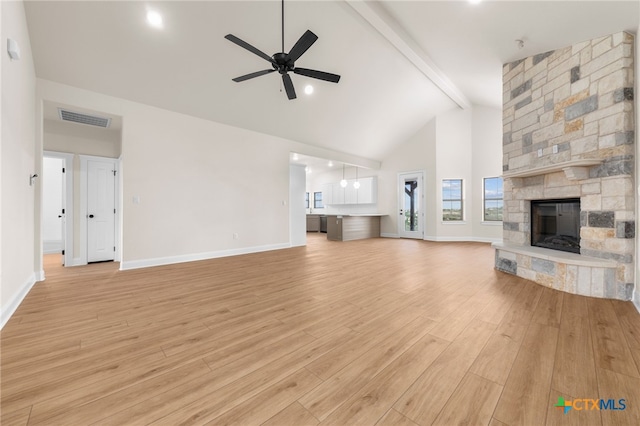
(411, 205)
(57, 205)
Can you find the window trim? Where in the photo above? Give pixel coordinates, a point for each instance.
(315, 200)
(484, 200)
(461, 200)
(307, 200)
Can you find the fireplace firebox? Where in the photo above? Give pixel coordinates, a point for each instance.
(555, 224)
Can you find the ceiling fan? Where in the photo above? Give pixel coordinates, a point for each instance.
(285, 62)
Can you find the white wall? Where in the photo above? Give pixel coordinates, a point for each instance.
(17, 159)
(459, 144)
(417, 153)
(486, 161)
(80, 139)
(297, 184)
(198, 182)
(453, 161)
(52, 205)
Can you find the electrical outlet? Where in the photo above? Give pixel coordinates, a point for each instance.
(235, 235)
(555, 149)
(540, 152)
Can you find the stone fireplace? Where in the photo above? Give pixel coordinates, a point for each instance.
(568, 164)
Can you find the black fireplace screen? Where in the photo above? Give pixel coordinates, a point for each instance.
(555, 224)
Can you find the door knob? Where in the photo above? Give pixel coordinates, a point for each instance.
(59, 215)
(90, 216)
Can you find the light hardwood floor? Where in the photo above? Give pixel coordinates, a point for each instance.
(374, 332)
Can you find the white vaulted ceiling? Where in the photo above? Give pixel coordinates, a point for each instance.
(382, 98)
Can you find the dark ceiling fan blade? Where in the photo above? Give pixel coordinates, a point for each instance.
(288, 86)
(249, 47)
(320, 75)
(252, 75)
(301, 46)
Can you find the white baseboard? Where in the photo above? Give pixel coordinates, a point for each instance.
(10, 308)
(636, 300)
(39, 276)
(387, 235)
(463, 239)
(159, 261)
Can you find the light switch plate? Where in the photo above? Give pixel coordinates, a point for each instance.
(13, 49)
(540, 152)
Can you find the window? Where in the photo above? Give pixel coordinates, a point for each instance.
(452, 200)
(306, 199)
(317, 200)
(493, 196)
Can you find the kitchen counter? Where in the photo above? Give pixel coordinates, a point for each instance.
(348, 227)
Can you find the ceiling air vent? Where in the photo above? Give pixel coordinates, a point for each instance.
(77, 117)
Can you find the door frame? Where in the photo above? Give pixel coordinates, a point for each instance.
(400, 202)
(67, 161)
(84, 159)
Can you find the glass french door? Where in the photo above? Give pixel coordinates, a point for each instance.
(410, 205)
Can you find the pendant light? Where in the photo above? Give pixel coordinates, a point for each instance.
(343, 182)
(356, 184)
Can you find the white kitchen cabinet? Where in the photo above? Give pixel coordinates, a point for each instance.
(350, 193)
(327, 194)
(368, 192)
(338, 194)
(334, 195)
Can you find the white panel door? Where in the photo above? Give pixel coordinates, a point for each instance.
(100, 211)
(410, 205)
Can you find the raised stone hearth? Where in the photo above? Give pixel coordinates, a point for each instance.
(569, 132)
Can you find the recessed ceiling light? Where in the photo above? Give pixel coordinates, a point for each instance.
(330, 164)
(474, 1)
(154, 19)
(308, 89)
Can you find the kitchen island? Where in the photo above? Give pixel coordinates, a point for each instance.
(348, 227)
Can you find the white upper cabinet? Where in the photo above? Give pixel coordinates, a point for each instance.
(338, 194)
(368, 192)
(327, 194)
(350, 193)
(334, 194)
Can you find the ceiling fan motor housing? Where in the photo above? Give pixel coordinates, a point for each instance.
(282, 63)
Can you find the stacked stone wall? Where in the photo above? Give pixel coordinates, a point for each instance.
(571, 104)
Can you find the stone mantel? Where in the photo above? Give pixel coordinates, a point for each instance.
(573, 169)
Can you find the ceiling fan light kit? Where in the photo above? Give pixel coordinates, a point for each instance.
(285, 62)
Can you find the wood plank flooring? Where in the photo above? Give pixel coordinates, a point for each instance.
(371, 332)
